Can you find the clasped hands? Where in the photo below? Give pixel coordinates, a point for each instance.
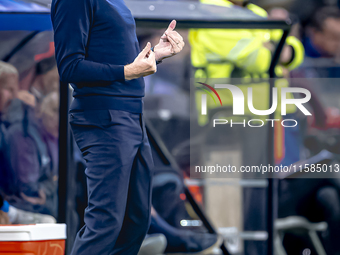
(170, 44)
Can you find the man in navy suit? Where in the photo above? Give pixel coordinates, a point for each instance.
(97, 52)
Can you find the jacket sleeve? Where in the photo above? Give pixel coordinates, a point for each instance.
(299, 52)
(296, 44)
(238, 47)
(72, 21)
(253, 57)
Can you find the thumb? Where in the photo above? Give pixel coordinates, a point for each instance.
(145, 50)
(171, 26)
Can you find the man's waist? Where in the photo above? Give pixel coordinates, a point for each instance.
(101, 102)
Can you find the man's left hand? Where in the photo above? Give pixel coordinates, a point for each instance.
(170, 43)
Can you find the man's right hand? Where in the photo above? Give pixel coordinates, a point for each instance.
(143, 65)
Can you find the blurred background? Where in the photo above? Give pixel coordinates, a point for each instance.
(192, 213)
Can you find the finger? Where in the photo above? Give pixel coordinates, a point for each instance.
(148, 54)
(173, 44)
(175, 37)
(182, 44)
(147, 74)
(171, 26)
(180, 47)
(145, 51)
(151, 55)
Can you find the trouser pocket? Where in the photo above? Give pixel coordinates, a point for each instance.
(90, 118)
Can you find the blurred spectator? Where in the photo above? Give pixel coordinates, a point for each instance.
(17, 216)
(8, 91)
(26, 97)
(12, 215)
(9, 79)
(322, 34)
(305, 11)
(321, 39)
(49, 114)
(33, 149)
(283, 14)
(278, 14)
(46, 79)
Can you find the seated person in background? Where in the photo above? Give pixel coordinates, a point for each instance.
(12, 215)
(33, 157)
(322, 34)
(321, 39)
(8, 94)
(9, 80)
(46, 79)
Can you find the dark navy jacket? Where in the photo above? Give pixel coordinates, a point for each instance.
(94, 39)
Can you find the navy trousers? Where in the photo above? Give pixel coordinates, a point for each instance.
(119, 173)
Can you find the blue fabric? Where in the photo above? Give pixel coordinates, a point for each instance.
(5, 180)
(16, 13)
(5, 207)
(310, 49)
(37, 22)
(94, 40)
(292, 145)
(119, 171)
(129, 104)
(21, 6)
